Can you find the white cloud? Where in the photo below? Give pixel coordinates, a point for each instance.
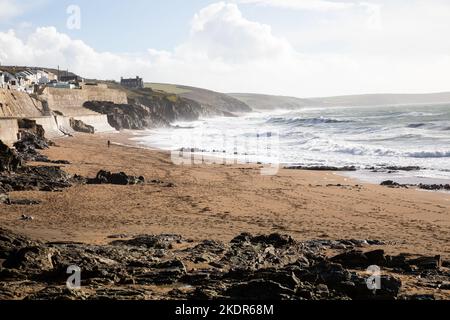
(227, 52)
(9, 9)
(302, 4)
(221, 33)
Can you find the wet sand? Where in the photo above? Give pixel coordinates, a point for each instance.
(221, 201)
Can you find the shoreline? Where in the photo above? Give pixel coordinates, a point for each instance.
(363, 176)
(219, 202)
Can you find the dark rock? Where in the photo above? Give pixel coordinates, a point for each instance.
(119, 294)
(269, 267)
(171, 264)
(433, 263)
(128, 116)
(400, 168)
(31, 258)
(22, 202)
(357, 288)
(164, 241)
(392, 184)
(259, 290)
(325, 272)
(322, 168)
(352, 259)
(434, 187)
(9, 159)
(80, 126)
(419, 297)
(106, 177)
(274, 239)
(42, 178)
(58, 294)
(31, 126)
(11, 242)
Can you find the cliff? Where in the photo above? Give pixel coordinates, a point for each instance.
(19, 104)
(212, 102)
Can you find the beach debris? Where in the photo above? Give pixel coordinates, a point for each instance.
(121, 178)
(249, 267)
(26, 218)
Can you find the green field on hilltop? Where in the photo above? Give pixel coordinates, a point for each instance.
(169, 88)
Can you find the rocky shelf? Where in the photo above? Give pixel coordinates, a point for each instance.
(249, 267)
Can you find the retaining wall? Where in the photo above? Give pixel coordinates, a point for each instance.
(8, 130)
(99, 122)
(70, 102)
(19, 104)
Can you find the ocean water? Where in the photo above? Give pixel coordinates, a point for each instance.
(364, 137)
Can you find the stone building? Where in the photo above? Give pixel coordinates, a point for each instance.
(134, 83)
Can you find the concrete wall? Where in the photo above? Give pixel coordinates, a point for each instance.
(63, 124)
(99, 122)
(50, 126)
(70, 102)
(8, 130)
(19, 104)
(14, 104)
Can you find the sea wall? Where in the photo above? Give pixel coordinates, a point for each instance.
(70, 102)
(8, 130)
(50, 126)
(64, 102)
(19, 104)
(98, 121)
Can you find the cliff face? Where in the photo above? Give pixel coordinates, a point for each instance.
(127, 116)
(170, 106)
(19, 104)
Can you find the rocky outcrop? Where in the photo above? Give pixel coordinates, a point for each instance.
(121, 178)
(265, 267)
(28, 145)
(30, 126)
(9, 159)
(429, 187)
(41, 178)
(80, 126)
(128, 116)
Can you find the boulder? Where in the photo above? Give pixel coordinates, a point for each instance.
(80, 126)
(352, 259)
(121, 178)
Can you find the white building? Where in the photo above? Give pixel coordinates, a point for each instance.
(34, 76)
(13, 83)
(2, 80)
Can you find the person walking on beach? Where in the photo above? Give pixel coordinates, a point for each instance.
(109, 144)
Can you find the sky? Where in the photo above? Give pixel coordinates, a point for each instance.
(303, 48)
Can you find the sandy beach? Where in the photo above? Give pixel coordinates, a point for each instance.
(220, 201)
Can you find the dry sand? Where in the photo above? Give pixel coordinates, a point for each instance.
(219, 202)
